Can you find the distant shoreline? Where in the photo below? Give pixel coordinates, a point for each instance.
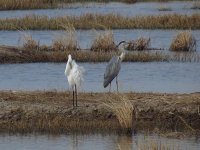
(51, 4)
(99, 21)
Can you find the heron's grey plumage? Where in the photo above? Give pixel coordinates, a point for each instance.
(112, 70)
(114, 66)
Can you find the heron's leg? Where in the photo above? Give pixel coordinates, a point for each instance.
(117, 84)
(76, 95)
(110, 87)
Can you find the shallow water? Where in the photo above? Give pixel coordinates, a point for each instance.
(166, 77)
(94, 141)
(148, 8)
(159, 38)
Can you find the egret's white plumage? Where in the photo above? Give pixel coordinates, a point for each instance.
(74, 74)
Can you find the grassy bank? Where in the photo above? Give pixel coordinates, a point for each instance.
(43, 4)
(18, 55)
(52, 112)
(98, 21)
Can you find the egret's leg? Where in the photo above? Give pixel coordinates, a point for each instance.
(76, 95)
(117, 84)
(73, 97)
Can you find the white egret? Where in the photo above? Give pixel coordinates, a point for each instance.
(74, 74)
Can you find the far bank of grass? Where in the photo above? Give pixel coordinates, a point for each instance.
(44, 4)
(99, 21)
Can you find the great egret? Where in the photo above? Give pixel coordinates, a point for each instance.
(114, 66)
(74, 75)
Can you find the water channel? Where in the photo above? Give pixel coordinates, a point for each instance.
(169, 77)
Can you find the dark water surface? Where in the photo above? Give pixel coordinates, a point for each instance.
(95, 142)
(170, 77)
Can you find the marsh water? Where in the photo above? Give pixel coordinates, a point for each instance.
(95, 141)
(159, 38)
(136, 9)
(169, 77)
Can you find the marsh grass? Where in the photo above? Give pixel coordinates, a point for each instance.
(164, 8)
(57, 124)
(139, 44)
(29, 43)
(43, 4)
(196, 5)
(30, 56)
(184, 41)
(99, 21)
(67, 40)
(123, 109)
(104, 41)
(26, 4)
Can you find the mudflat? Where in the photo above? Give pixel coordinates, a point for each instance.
(52, 112)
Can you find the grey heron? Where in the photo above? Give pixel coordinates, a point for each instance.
(74, 74)
(114, 66)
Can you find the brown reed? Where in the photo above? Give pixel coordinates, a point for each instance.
(196, 5)
(184, 41)
(103, 42)
(26, 4)
(67, 40)
(123, 109)
(164, 8)
(139, 44)
(29, 43)
(99, 21)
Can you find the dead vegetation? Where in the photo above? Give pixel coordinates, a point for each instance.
(99, 21)
(164, 8)
(139, 44)
(26, 4)
(29, 43)
(123, 109)
(52, 112)
(43, 4)
(184, 41)
(104, 41)
(21, 55)
(66, 41)
(196, 5)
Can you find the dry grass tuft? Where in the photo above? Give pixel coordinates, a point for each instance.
(103, 42)
(29, 43)
(67, 41)
(138, 44)
(129, 1)
(196, 5)
(123, 109)
(184, 41)
(164, 8)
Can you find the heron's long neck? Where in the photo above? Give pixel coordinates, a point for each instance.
(121, 57)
